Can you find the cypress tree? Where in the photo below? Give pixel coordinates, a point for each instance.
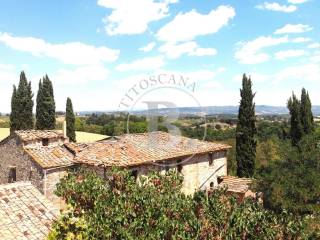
(306, 113)
(46, 115)
(246, 131)
(296, 129)
(14, 110)
(22, 105)
(70, 119)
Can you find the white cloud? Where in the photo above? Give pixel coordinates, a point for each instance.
(191, 48)
(148, 47)
(187, 26)
(314, 45)
(80, 75)
(277, 7)
(282, 55)
(316, 57)
(250, 52)
(307, 72)
(301, 40)
(293, 28)
(297, 1)
(148, 63)
(74, 53)
(133, 17)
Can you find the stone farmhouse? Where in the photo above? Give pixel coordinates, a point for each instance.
(44, 157)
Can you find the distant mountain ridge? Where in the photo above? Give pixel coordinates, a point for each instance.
(211, 110)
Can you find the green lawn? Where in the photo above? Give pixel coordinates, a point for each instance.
(81, 136)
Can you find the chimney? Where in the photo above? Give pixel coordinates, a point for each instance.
(64, 129)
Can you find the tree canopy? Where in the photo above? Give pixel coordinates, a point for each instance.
(119, 207)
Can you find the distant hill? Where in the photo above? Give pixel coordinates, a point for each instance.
(211, 110)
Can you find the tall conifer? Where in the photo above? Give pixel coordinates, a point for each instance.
(14, 110)
(306, 113)
(246, 131)
(70, 119)
(296, 129)
(22, 105)
(46, 115)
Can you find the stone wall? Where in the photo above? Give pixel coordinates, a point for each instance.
(50, 180)
(12, 155)
(199, 171)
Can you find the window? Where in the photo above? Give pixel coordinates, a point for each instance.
(45, 141)
(12, 174)
(212, 185)
(210, 159)
(220, 179)
(134, 173)
(179, 167)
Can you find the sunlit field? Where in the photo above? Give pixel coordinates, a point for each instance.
(81, 136)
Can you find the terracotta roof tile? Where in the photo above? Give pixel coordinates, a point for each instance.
(235, 184)
(50, 156)
(136, 149)
(30, 135)
(24, 212)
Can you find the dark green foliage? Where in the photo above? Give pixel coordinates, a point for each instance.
(45, 115)
(294, 182)
(22, 105)
(120, 208)
(14, 111)
(296, 128)
(70, 119)
(246, 131)
(301, 117)
(306, 113)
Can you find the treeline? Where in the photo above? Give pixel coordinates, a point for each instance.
(21, 116)
(114, 124)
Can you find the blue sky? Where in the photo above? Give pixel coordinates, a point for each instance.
(94, 51)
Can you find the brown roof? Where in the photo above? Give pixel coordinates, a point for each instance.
(235, 184)
(24, 212)
(50, 156)
(136, 149)
(29, 135)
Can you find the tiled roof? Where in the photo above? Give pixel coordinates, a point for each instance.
(24, 212)
(235, 184)
(50, 156)
(76, 147)
(29, 135)
(136, 149)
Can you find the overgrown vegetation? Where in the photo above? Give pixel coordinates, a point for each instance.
(119, 207)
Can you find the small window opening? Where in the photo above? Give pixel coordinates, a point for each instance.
(45, 142)
(179, 167)
(210, 159)
(13, 175)
(134, 173)
(212, 185)
(220, 179)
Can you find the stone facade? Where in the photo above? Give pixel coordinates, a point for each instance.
(12, 156)
(200, 172)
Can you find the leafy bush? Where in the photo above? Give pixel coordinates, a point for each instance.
(119, 207)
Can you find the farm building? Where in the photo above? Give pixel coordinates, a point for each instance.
(43, 157)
